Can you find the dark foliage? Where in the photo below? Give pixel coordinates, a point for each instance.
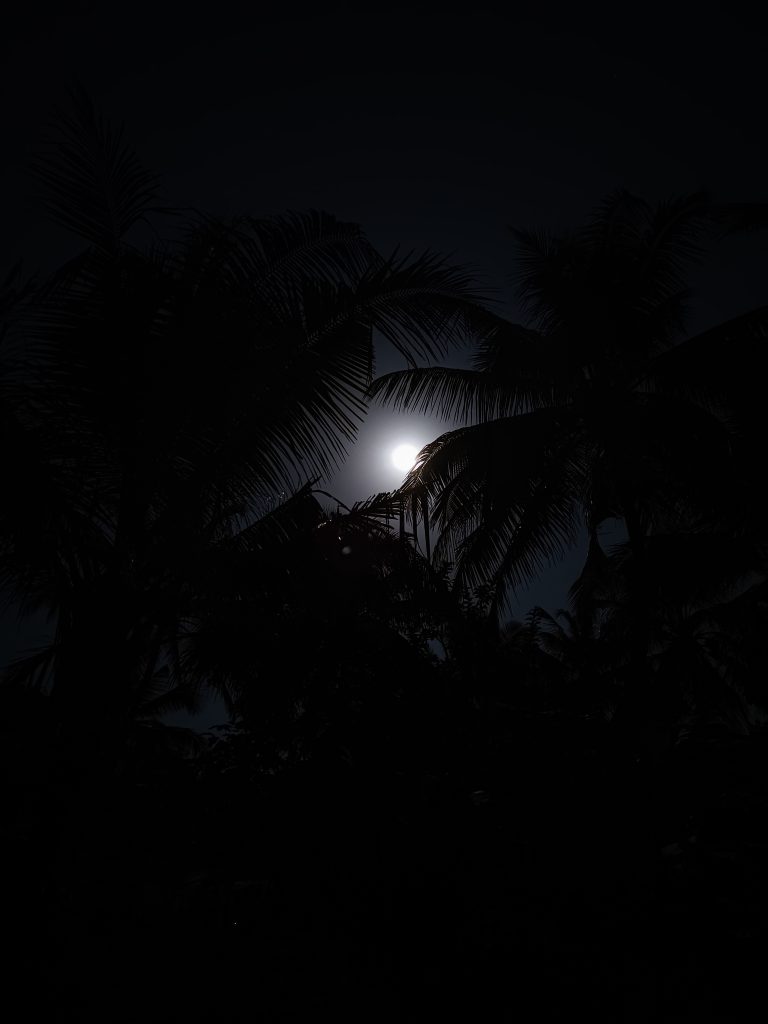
(415, 808)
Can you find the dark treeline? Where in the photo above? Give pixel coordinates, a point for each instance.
(418, 806)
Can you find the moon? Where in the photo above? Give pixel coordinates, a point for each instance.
(404, 457)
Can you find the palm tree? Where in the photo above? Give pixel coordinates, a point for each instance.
(706, 616)
(589, 412)
(347, 597)
(161, 393)
(581, 653)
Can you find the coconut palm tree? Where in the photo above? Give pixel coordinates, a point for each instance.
(587, 413)
(706, 616)
(582, 654)
(164, 394)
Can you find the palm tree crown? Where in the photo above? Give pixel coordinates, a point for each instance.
(586, 413)
(161, 397)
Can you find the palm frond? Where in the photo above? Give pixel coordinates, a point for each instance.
(166, 695)
(422, 305)
(15, 295)
(32, 669)
(313, 245)
(733, 217)
(698, 369)
(94, 183)
(590, 589)
(532, 537)
(446, 392)
(374, 512)
(505, 496)
(282, 525)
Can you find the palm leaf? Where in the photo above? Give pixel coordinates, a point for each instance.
(94, 183)
(421, 305)
(696, 368)
(283, 525)
(312, 245)
(32, 669)
(446, 392)
(498, 521)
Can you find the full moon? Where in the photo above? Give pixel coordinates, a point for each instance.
(404, 456)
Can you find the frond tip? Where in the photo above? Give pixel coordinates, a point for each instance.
(93, 183)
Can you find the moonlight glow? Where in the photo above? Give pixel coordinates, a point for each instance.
(404, 456)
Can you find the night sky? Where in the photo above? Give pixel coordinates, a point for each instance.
(430, 129)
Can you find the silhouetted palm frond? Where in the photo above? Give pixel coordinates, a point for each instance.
(502, 526)
(717, 368)
(629, 423)
(94, 183)
(291, 518)
(421, 304)
(732, 217)
(311, 245)
(32, 669)
(178, 403)
(445, 392)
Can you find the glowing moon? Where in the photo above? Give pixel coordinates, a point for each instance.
(404, 457)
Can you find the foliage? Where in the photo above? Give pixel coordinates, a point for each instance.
(598, 409)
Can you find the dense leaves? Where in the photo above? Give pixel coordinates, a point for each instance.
(598, 409)
(415, 807)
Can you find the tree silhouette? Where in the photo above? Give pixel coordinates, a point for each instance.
(705, 608)
(589, 413)
(414, 804)
(156, 394)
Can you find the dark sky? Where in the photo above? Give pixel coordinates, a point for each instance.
(430, 128)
